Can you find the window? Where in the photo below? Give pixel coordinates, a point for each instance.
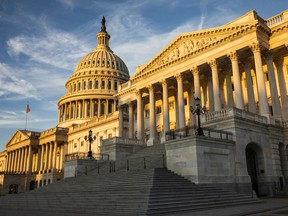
(147, 113)
(75, 145)
(79, 86)
(90, 84)
(171, 105)
(158, 109)
(185, 101)
(75, 87)
(109, 136)
(82, 143)
(103, 84)
(84, 85)
(109, 84)
(115, 86)
(96, 84)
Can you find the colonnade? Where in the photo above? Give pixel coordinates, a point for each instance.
(19, 160)
(85, 108)
(50, 156)
(214, 91)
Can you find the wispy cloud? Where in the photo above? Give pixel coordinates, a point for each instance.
(10, 83)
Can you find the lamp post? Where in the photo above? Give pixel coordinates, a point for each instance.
(198, 110)
(90, 139)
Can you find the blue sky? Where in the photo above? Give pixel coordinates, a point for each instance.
(41, 42)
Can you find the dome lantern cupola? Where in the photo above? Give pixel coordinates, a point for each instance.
(103, 37)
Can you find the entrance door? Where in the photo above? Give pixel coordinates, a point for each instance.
(252, 167)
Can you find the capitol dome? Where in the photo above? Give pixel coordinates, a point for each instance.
(91, 88)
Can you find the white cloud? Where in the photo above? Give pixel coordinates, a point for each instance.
(10, 83)
(68, 3)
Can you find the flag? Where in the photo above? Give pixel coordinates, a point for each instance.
(27, 108)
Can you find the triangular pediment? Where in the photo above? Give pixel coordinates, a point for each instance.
(191, 43)
(17, 137)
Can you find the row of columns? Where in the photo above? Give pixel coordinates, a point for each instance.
(216, 97)
(19, 160)
(85, 108)
(49, 158)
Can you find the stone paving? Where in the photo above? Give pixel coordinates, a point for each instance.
(271, 207)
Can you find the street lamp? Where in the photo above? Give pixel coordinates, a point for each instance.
(90, 139)
(198, 110)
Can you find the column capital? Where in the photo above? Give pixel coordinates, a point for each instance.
(179, 77)
(212, 63)
(233, 56)
(195, 70)
(256, 47)
(150, 87)
(163, 82)
(138, 92)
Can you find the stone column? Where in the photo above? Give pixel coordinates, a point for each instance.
(24, 165)
(210, 94)
(263, 103)
(166, 118)
(16, 160)
(152, 119)
(42, 157)
(46, 156)
(21, 161)
(64, 113)
(99, 107)
(8, 162)
(50, 155)
(229, 89)
(29, 161)
(139, 115)
(120, 110)
(180, 100)
(195, 72)
(237, 80)
(131, 120)
(282, 87)
(250, 91)
(54, 155)
(273, 85)
(39, 159)
(215, 81)
(13, 161)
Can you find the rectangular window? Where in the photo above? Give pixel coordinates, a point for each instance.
(147, 113)
(109, 136)
(185, 102)
(158, 109)
(171, 105)
(115, 86)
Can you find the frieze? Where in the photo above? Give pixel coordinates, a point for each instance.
(187, 47)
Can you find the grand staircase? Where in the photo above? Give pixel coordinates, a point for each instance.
(140, 189)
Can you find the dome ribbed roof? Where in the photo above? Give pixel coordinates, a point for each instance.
(102, 57)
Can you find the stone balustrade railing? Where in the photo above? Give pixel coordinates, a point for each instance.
(121, 140)
(234, 112)
(277, 19)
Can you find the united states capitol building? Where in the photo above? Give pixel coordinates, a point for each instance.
(239, 71)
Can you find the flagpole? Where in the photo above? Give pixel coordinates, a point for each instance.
(26, 116)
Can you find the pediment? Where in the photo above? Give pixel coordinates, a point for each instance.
(190, 43)
(17, 137)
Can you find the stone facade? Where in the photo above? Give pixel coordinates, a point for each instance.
(238, 70)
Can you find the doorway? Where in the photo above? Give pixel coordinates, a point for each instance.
(252, 161)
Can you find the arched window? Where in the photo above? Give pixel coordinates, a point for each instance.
(96, 85)
(103, 84)
(90, 84)
(75, 87)
(84, 85)
(109, 84)
(115, 85)
(79, 86)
